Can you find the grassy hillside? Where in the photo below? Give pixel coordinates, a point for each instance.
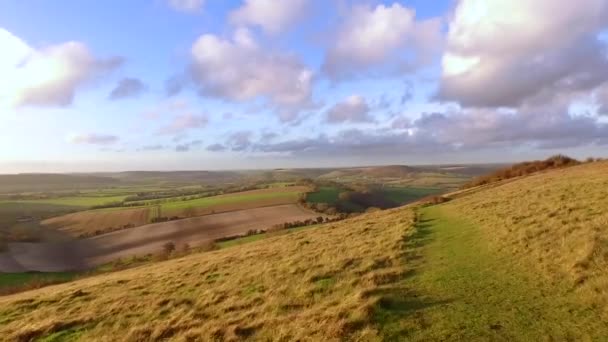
(322, 283)
(554, 223)
(524, 260)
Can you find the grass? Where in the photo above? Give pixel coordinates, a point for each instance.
(233, 201)
(469, 291)
(325, 194)
(407, 194)
(320, 283)
(517, 261)
(257, 237)
(12, 282)
(78, 201)
(553, 223)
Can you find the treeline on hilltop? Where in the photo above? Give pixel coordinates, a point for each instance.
(525, 168)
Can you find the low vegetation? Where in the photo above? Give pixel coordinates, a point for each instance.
(554, 223)
(523, 169)
(319, 283)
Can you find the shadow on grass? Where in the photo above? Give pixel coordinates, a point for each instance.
(400, 310)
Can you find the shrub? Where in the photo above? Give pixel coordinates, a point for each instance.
(169, 247)
(522, 169)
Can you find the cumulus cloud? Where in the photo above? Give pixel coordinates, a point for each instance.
(375, 37)
(93, 139)
(352, 109)
(271, 15)
(184, 122)
(49, 76)
(127, 87)
(493, 59)
(188, 6)
(240, 70)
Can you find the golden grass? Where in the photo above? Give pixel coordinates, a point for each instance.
(555, 222)
(322, 283)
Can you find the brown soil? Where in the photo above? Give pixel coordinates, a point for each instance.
(86, 253)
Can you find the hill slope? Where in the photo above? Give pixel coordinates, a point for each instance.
(519, 261)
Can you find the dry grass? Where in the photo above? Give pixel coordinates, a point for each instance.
(322, 283)
(555, 223)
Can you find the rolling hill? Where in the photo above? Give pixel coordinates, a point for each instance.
(522, 260)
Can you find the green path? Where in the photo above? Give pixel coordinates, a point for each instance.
(464, 291)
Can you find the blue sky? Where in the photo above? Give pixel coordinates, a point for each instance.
(299, 83)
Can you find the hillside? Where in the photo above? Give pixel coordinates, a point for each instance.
(45, 182)
(524, 260)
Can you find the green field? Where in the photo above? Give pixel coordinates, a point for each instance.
(325, 194)
(9, 281)
(235, 198)
(407, 194)
(77, 201)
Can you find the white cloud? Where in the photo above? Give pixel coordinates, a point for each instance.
(373, 37)
(271, 15)
(352, 109)
(93, 139)
(188, 6)
(240, 70)
(46, 77)
(504, 52)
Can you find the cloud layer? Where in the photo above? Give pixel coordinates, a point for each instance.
(376, 37)
(493, 59)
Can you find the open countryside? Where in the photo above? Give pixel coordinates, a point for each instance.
(413, 273)
(304, 170)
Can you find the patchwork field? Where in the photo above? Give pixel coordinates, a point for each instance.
(86, 253)
(95, 222)
(234, 201)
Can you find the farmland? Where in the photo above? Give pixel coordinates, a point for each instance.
(147, 239)
(519, 260)
(95, 222)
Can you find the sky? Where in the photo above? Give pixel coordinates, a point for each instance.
(249, 84)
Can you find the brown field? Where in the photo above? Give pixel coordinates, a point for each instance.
(97, 222)
(145, 239)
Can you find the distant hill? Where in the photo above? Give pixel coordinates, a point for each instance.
(47, 182)
(389, 171)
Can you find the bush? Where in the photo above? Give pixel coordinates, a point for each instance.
(522, 169)
(169, 247)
